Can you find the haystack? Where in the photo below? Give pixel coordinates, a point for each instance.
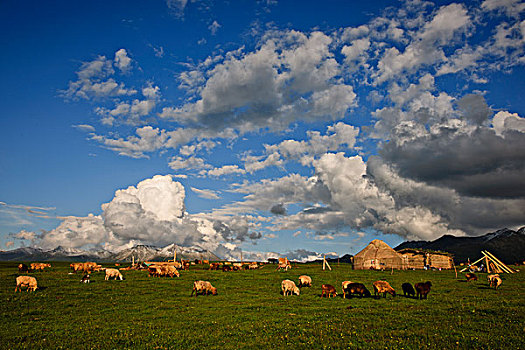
(378, 256)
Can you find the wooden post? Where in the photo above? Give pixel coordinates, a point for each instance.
(325, 264)
(456, 271)
(174, 253)
(133, 260)
(487, 264)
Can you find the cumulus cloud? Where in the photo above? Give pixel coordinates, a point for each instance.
(504, 121)
(122, 60)
(152, 212)
(338, 136)
(290, 76)
(426, 49)
(95, 81)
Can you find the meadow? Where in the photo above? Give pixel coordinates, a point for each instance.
(249, 312)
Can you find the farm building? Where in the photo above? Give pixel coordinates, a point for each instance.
(418, 259)
(378, 256)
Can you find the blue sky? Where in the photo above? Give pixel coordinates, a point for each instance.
(294, 128)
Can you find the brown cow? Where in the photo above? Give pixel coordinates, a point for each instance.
(329, 290)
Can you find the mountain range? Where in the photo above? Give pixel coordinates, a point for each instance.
(140, 252)
(507, 245)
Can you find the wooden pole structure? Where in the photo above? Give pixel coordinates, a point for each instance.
(174, 253)
(133, 260)
(455, 270)
(498, 262)
(474, 263)
(495, 265)
(325, 263)
(487, 264)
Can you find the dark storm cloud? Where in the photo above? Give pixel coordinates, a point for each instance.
(475, 164)
(278, 209)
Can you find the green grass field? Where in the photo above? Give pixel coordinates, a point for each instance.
(250, 313)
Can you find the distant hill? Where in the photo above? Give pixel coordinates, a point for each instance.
(507, 245)
(140, 252)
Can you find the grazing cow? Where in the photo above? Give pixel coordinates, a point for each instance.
(186, 266)
(423, 289)
(253, 266)
(226, 268)
(85, 278)
(305, 281)
(408, 290)
(154, 270)
(206, 262)
(288, 286)
(284, 264)
(214, 266)
(343, 285)
(170, 271)
(355, 288)
(39, 266)
(76, 267)
(329, 290)
(383, 287)
(471, 277)
(113, 273)
(494, 281)
(87, 267)
(203, 287)
(26, 281)
(23, 268)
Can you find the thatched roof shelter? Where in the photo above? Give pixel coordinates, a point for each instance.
(419, 258)
(378, 256)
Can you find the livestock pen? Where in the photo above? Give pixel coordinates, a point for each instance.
(249, 312)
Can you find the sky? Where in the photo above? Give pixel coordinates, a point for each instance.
(275, 128)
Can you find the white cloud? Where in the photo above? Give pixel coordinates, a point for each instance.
(290, 76)
(425, 49)
(95, 81)
(122, 60)
(510, 7)
(25, 235)
(214, 27)
(504, 121)
(224, 170)
(207, 194)
(152, 212)
(84, 127)
(191, 163)
(337, 136)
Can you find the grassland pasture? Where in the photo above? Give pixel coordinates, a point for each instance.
(249, 312)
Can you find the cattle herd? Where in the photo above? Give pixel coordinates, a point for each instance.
(288, 287)
(349, 288)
